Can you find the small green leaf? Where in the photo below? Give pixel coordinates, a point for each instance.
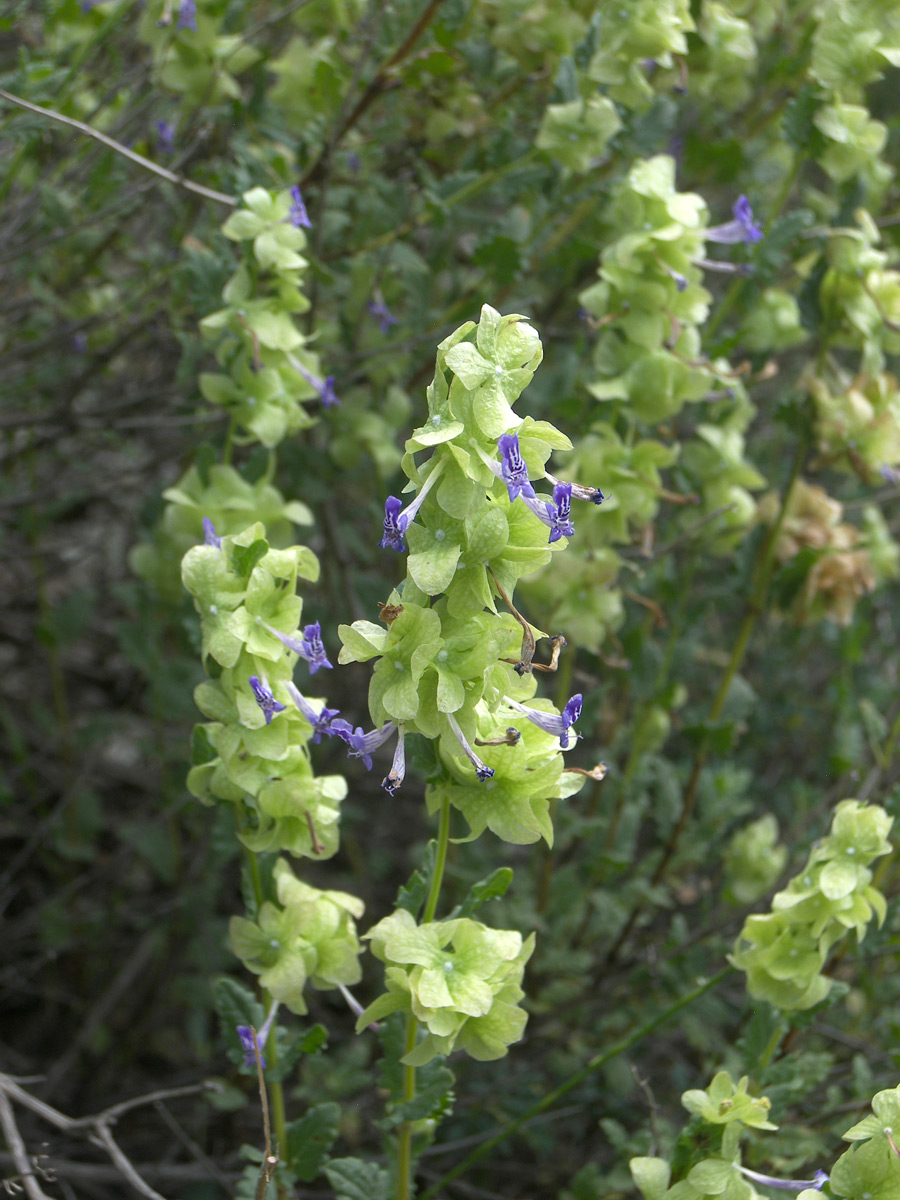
(310, 1139)
(354, 1179)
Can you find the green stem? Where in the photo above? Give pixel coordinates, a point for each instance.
(404, 1143)
(440, 861)
(593, 1064)
(276, 1091)
(774, 1042)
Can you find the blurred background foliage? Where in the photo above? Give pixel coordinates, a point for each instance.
(731, 610)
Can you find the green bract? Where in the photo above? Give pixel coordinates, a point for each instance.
(458, 978)
(784, 952)
(309, 935)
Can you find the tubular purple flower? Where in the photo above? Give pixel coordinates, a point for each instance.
(299, 217)
(742, 229)
(325, 387)
(382, 314)
(398, 766)
(481, 770)
(209, 534)
(165, 136)
(557, 725)
(265, 699)
(724, 268)
(187, 15)
(555, 513)
(788, 1185)
(889, 474)
(320, 721)
(514, 473)
(580, 491)
(397, 518)
(245, 1033)
(362, 744)
(310, 647)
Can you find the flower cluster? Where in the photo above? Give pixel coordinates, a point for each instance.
(784, 952)
(448, 665)
(253, 752)
(308, 936)
(269, 373)
(461, 981)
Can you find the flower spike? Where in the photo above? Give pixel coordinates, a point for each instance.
(742, 229)
(559, 726)
(320, 721)
(265, 699)
(398, 766)
(481, 770)
(362, 744)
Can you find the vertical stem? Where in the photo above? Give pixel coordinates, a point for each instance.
(271, 1046)
(404, 1144)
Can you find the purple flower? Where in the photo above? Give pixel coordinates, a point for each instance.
(742, 229)
(187, 15)
(265, 699)
(512, 466)
(310, 647)
(394, 524)
(555, 514)
(557, 725)
(889, 474)
(398, 766)
(353, 162)
(580, 491)
(362, 744)
(79, 343)
(245, 1033)
(165, 136)
(397, 518)
(788, 1185)
(325, 387)
(209, 534)
(382, 314)
(481, 770)
(320, 721)
(299, 217)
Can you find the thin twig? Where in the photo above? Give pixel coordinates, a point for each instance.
(146, 163)
(18, 1151)
(121, 1160)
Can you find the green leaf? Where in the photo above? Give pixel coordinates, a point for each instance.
(310, 1139)
(651, 1176)
(354, 1179)
(491, 888)
(245, 558)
